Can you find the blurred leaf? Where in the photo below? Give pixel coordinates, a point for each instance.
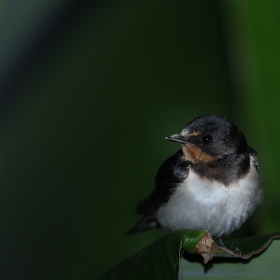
(161, 259)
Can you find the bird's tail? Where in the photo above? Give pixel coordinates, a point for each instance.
(144, 224)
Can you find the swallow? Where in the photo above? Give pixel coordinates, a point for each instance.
(211, 183)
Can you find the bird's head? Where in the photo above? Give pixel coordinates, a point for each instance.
(208, 138)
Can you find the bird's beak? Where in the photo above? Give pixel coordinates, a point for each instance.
(177, 138)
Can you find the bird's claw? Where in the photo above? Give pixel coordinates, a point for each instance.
(233, 249)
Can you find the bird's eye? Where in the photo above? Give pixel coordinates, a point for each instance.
(207, 139)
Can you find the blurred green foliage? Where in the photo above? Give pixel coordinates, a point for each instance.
(83, 132)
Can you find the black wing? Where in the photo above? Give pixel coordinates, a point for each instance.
(172, 172)
(253, 153)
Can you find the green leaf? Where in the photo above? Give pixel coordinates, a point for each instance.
(161, 259)
(248, 246)
(263, 266)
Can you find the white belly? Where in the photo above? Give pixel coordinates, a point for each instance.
(210, 205)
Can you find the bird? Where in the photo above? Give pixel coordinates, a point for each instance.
(212, 183)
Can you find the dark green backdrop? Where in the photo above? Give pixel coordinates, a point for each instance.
(89, 90)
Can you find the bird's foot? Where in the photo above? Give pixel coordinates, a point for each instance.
(222, 244)
(233, 249)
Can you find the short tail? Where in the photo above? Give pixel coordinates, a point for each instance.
(144, 224)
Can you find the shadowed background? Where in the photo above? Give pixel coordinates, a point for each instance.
(88, 92)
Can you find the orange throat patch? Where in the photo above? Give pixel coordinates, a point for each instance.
(195, 155)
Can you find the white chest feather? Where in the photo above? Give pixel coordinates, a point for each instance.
(210, 205)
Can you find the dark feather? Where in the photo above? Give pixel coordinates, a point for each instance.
(171, 173)
(144, 224)
(254, 154)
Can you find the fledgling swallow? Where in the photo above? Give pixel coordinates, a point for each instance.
(211, 183)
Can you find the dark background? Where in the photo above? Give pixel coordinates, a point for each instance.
(88, 92)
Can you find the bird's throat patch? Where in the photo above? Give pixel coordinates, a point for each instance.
(195, 155)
